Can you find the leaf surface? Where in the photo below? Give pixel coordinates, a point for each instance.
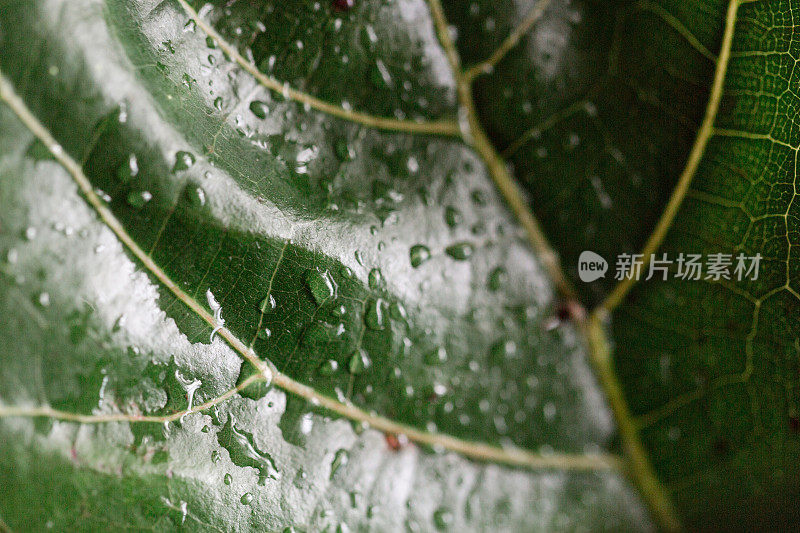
(309, 172)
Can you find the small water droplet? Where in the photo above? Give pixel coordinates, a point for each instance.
(343, 150)
(259, 108)
(44, 299)
(138, 199)
(340, 459)
(215, 456)
(267, 304)
(129, 169)
(30, 233)
(375, 316)
(452, 216)
(228, 479)
(359, 361)
(328, 368)
(419, 253)
(342, 5)
(397, 311)
(460, 251)
(375, 278)
(436, 356)
(321, 285)
(497, 278)
(183, 160)
(442, 518)
(479, 197)
(502, 350)
(197, 196)
(246, 498)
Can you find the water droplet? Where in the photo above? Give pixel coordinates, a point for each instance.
(343, 150)
(43, 299)
(218, 103)
(259, 108)
(246, 498)
(379, 75)
(374, 317)
(321, 285)
(442, 518)
(30, 233)
(259, 386)
(138, 199)
(452, 216)
(397, 311)
(129, 169)
(419, 253)
(460, 251)
(183, 160)
(190, 26)
(205, 429)
(215, 456)
(375, 278)
(267, 304)
(342, 5)
(436, 356)
(359, 361)
(502, 350)
(328, 368)
(197, 196)
(549, 411)
(479, 197)
(228, 479)
(264, 333)
(497, 278)
(340, 459)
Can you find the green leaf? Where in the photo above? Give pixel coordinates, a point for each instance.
(261, 267)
